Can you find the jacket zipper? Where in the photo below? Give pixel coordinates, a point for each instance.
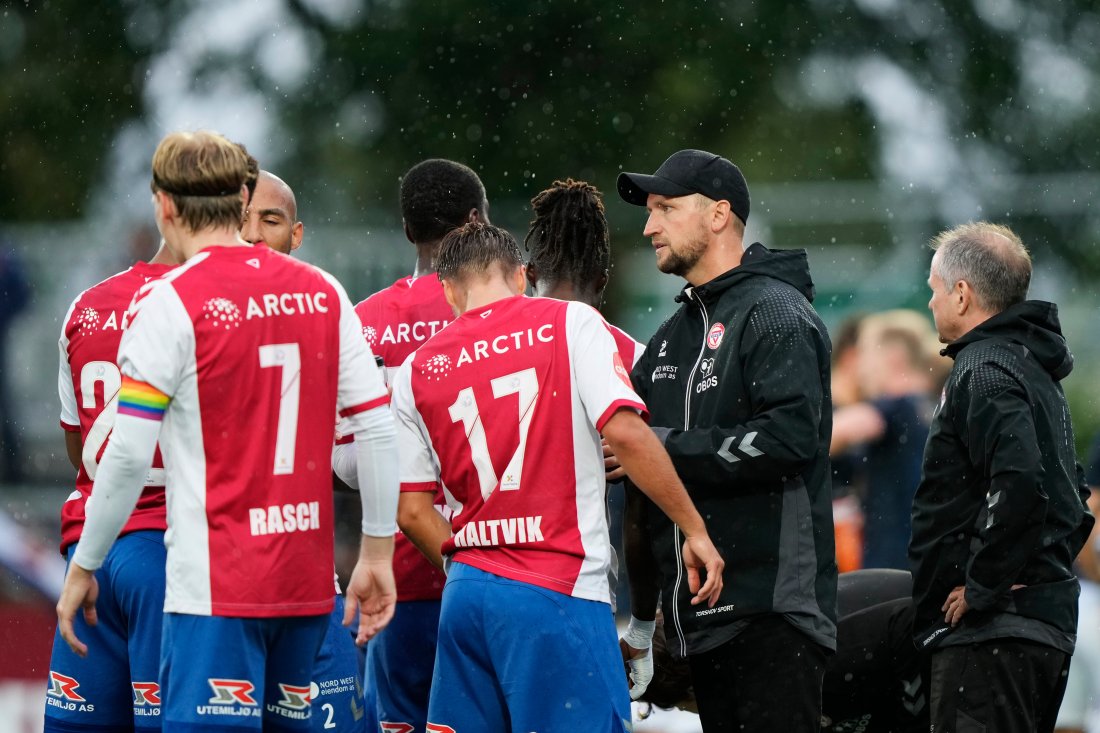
(675, 528)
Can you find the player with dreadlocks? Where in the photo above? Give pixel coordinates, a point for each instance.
(570, 250)
(569, 259)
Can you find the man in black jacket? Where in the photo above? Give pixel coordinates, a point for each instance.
(1000, 511)
(737, 383)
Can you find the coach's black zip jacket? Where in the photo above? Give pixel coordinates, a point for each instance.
(737, 385)
(1002, 499)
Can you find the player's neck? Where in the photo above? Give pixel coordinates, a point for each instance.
(426, 255)
(190, 244)
(487, 293)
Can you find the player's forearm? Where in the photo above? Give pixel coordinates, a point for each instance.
(647, 464)
(345, 464)
(376, 550)
(423, 525)
(118, 484)
(375, 446)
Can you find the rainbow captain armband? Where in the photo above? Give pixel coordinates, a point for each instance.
(141, 399)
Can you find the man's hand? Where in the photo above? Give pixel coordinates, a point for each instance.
(639, 663)
(636, 646)
(700, 552)
(372, 588)
(955, 606)
(612, 470)
(80, 591)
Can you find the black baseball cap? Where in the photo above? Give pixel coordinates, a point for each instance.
(688, 172)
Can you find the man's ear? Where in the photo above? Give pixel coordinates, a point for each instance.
(601, 281)
(720, 217)
(474, 216)
(408, 234)
(532, 276)
(963, 295)
(296, 234)
(519, 280)
(453, 296)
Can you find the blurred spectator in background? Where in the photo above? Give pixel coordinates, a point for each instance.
(15, 291)
(890, 425)
(847, 465)
(1079, 705)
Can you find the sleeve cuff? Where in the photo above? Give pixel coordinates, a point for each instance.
(364, 406)
(619, 405)
(418, 486)
(69, 428)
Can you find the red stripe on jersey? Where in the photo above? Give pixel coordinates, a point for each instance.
(356, 409)
(413, 488)
(69, 428)
(622, 405)
(345, 439)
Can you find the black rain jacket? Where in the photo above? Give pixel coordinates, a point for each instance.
(1002, 499)
(737, 384)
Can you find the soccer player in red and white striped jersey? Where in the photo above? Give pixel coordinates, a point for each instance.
(245, 356)
(501, 409)
(118, 688)
(436, 196)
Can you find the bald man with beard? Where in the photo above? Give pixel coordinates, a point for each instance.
(337, 687)
(272, 216)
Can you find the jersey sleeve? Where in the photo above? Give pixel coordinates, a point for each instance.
(158, 339)
(70, 417)
(418, 471)
(601, 377)
(361, 386)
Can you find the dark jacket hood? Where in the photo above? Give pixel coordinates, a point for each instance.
(792, 266)
(1032, 324)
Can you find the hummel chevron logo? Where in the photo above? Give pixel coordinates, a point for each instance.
(745, 447)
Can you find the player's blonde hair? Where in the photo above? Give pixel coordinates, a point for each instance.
(203, 173)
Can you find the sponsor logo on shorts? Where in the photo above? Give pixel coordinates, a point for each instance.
(64, 687)
(63, 695)
(232, 692)
(231, 697)
(437, 728)
(146, 699)
(294, 703)
(389, 727)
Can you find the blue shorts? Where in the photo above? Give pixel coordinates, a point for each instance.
(514, 656)
(400, 661)
(222, 673)
(116, 686)
(337, 687)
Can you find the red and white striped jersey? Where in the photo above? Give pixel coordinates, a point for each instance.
(88, 381)
(396, 321)
(257, 353)
(503, 408)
